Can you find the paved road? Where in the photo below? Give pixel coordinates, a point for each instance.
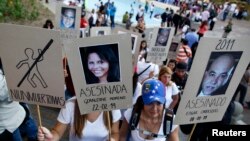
(240, 29)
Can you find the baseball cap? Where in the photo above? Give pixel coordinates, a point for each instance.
(182, 66)
(153, 90)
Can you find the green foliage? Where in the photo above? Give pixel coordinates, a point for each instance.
(18, 10)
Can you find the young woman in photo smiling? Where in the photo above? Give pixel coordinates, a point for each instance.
(101, 64)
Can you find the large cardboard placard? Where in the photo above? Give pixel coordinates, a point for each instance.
(135, 41)
(159, 44)
(100, 31)
(217, 69)
(32, 62)
(94, 93)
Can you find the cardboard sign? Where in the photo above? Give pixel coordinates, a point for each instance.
(172, 50)
(69, 34)
(135, 41)
(32, 62)
(213, 34)
(149, 33)
(159, 44)
(101, 72)
(213, 79)
(100, 31)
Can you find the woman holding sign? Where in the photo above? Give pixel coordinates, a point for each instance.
(101, 64)
(149, 120)
(93, 126)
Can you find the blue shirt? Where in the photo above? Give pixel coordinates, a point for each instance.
(112, 10)
(192, 37)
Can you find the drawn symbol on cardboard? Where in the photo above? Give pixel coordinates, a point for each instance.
(32, 64)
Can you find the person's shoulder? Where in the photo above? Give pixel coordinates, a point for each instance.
(71, 101)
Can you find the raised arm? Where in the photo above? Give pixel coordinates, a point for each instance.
(174, 102)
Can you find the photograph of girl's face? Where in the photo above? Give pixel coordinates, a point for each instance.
(68, 18)
(97, 66)
(100, 63)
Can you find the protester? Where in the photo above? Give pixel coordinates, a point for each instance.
(16, 121)
(93, 126)
(142, 50)
(140, 27)
(176, 21)
(147, 69)
(192, 37)
(12, 114)
(149, 112)
(227, 29)
(125, 17)
(202, 29)
(92, 18)
(172, 91)
(184, 52)
(112, 14)
(48, 24)
(180, 78)
(83, 22)
(172, 64)
(242, 87)
(164, 16)
(226, 11)
(152, 7)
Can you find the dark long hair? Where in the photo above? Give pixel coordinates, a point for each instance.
(46, 25)
(105, 53)
(143, 41)
(80, 120)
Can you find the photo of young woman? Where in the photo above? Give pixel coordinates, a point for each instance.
(101, 63)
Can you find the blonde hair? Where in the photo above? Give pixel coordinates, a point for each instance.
(165, 70)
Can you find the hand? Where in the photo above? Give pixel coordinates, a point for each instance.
(151, 74)
(44, 134)
(65, 73)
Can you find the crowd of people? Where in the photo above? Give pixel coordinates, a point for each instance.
(157, 90)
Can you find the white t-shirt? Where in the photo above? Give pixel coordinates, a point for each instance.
(142, 66)
(184, 30)
(93, 131)
(205, 15)
(170, 91)
(137, 92)
(135, 133)
(12, 113)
